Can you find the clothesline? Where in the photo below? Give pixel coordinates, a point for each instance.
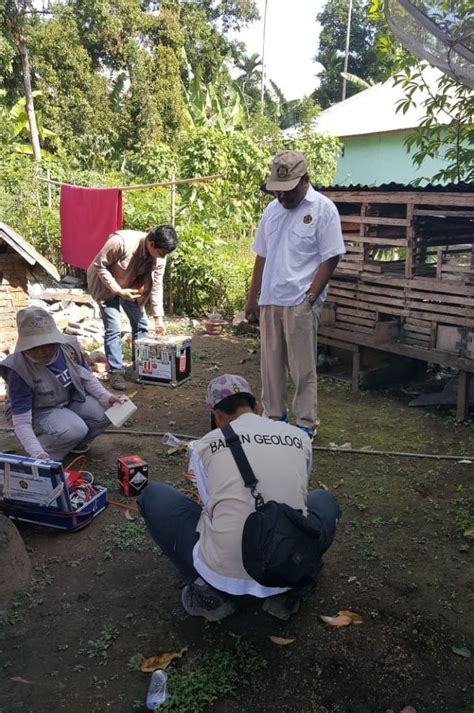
(138, 186)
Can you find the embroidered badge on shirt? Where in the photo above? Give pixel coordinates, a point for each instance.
(307, 219)
(282, 172)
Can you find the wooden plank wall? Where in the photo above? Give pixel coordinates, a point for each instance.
(409, 261)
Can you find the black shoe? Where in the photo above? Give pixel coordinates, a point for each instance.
(311, 432)
(283, 606)
(204, 600)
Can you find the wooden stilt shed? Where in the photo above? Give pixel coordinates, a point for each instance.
(406, 284)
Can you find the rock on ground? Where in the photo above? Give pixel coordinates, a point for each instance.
(15, 565)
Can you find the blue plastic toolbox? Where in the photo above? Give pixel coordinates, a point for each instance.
(36, 491)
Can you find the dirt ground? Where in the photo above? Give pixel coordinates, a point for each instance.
(104, 596)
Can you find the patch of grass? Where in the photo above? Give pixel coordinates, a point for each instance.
(381, 521)
(198, 356)
(220, 675)
(464, 516)
(97, 648)
(129, 536)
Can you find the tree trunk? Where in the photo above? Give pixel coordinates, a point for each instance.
(30, 109)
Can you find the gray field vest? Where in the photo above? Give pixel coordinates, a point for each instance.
(47, 391)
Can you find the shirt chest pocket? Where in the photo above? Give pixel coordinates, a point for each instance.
(304, 237)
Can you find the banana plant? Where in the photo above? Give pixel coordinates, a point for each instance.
(15, 121)
(356, 81)
(211, 106)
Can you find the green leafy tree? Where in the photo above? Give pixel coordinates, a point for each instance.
(250, 80)
(207, 42)
(74, 98)
(452, 139)
(109, 29)
(365, 59)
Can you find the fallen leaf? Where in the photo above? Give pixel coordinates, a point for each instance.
(338, 485)
(343, 618)
(323, 486)
(463, 462)
(355, 618)
(408, 709)
(279, 641)
(19, 679)
(337, 620)
(132, 395)
(352, 579)
(461, 651)
(177, 449)
(162, 661)
(129, 516)
(469, 533)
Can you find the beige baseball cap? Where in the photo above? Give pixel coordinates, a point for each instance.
(36, 327)
(287, 169)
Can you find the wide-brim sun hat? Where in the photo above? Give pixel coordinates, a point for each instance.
(223, 386)
(287, 170)
(36, 328)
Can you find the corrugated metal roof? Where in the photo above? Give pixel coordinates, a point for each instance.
(399, 187)
(395, 187)
(27, 251)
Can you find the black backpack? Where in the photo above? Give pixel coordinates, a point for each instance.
(280, 547)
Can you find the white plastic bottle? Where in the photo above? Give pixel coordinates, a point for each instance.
(157, 690)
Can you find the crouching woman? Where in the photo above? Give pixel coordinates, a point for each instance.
(54, 402)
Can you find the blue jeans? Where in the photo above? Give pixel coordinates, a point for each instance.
(172, 518)
(110, 314)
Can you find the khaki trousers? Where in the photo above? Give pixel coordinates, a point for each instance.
(289, 340)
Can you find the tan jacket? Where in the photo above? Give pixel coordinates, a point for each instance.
(124, 263)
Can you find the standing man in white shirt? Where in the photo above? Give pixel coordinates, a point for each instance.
(298, 245)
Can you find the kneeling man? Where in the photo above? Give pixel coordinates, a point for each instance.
(204, 543)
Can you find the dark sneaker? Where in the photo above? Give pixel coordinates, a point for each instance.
(204, 600)
(283, 606)
(311, 432)
(117, 381)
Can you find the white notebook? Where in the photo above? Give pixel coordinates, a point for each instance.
(119, 413)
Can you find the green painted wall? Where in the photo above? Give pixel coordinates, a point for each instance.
(380, 158)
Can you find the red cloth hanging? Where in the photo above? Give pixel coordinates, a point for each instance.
(88, 217)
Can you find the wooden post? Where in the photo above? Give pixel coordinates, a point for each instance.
(30, 109)
(462, 409)
(356, 362)
(173, 200)
(50, 202)
(173, 223)
(411, 240)
(363, 231)
(439, 263)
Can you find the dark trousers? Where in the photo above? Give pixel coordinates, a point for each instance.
(172, 518)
